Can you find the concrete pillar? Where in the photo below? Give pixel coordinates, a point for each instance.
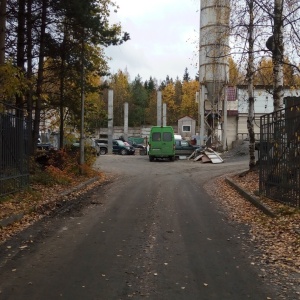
(224, 125)
(164, 114)
(110, 122)
(126, 121)
(159, 102)
(202, 114)
(198, 102)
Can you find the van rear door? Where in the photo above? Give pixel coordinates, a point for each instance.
(167, 143)
(162, 143)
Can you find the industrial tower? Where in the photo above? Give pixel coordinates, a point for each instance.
(213, 71)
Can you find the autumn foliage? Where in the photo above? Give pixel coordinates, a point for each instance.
(62, 166)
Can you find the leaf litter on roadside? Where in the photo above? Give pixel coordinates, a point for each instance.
(38, 202)
(277, 239)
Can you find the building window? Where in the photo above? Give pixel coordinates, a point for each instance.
(186, 128)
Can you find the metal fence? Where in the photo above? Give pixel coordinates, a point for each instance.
(14, 152)
(280, 156)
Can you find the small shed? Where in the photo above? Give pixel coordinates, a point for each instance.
(187, 127)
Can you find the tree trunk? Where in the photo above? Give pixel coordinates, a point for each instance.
(2, 30)
(250, 79)
(278, 55)
(20, 50)
(62, 90)
(40, 77)
(29, 73)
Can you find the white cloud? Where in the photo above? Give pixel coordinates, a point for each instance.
(163, 40)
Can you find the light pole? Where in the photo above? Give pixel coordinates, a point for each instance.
(81, 162)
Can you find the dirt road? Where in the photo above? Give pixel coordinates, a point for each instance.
(153, 233)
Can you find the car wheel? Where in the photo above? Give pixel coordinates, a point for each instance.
(151, 158)
(123, 152)
(103, 151)
(172, 158)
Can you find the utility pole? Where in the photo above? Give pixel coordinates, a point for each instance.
(110, 121)
(126, 121)
(82, 103)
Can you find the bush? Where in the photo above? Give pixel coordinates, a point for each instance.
(62, 166)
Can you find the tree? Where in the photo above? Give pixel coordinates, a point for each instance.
(168, 97)
(138, 103)
(48, 30)
(246, 24)
(120, 84)
(250, 80)
(278, 54)
(2, 30)
(264, 74)
(189, 106)
(283, 41)
(178, 92)
(186, 75)
(151, 87)
(235, 77)
(40, 75)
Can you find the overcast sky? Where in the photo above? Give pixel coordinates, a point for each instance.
(163, 38)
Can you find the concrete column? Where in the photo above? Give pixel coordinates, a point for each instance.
(224, 125)
(198, 102)
(201, 113)
(159, 101)
(164, 114)
(110, 122)
(126, 121)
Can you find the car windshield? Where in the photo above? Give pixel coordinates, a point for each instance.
(121, 143)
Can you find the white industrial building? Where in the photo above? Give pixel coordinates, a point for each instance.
(263, 104)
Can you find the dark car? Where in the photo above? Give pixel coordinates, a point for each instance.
(184, 148)
(119, 147)
(94, 148)
(102, 143)
(45, 146)
(139, 146)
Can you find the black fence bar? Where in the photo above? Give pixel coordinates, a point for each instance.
(14, 152)
(280, 156)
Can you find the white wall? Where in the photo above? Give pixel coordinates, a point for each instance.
(231, 130)
(263, 103)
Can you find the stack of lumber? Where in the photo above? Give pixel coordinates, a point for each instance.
(206, 155)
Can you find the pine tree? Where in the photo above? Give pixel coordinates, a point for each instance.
(186, 76)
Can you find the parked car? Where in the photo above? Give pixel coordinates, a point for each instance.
(94, 147)
(139, 146)
(184, 148)
(132, 149)
(119, 147)
(102, 143)
(45, 147)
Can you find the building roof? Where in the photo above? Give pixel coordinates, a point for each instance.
(186, 117)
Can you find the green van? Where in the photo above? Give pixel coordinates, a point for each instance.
(161, 143)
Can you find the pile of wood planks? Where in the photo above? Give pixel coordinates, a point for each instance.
(206, 155)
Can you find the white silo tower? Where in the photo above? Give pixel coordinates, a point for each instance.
(213, 67)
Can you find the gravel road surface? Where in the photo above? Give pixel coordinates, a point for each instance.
(152, 232)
